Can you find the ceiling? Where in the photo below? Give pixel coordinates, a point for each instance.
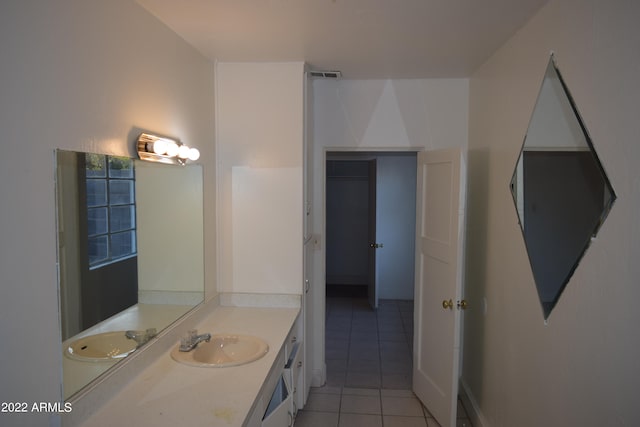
(364, 39)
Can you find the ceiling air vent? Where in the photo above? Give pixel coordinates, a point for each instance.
(325, 74)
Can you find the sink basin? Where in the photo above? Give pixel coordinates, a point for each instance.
(108, 346)
(222, 351)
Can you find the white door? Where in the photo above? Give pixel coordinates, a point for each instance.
(439, 229)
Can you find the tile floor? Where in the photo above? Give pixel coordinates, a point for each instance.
(369, 364)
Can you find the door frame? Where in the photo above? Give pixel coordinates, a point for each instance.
(320, 265)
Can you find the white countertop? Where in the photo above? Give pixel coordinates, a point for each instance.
(168, 393)
(77, 374)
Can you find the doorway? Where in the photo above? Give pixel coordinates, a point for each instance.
(371, 208)
(441, 198)
(370, 229)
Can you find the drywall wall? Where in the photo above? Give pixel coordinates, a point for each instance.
(83, 76)
(369, 115)
(170, 238)
(396, 225)
(582, 367)
(259, 145)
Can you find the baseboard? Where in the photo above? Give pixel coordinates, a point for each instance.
(471, 405)
(319, 377)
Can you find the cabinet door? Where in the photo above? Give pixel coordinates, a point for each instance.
(292, 340)
(293, 376)
(279, 413)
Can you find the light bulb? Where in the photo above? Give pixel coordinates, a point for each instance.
(194, 154)
(172, 149)
(183, 152)
(160, 146)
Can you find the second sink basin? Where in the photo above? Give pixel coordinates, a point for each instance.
(107, 346)
(222, 351)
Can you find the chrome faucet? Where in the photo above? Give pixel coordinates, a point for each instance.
(192, 339)
(141, 337)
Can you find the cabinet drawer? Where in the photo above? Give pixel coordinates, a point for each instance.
(291, 341)
(293, 375)
(294, 365)
(279, 412)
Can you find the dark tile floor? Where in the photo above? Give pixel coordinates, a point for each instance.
(367, 348)
(369, 368)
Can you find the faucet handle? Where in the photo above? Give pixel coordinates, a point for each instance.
(189, 338)
(141, 337)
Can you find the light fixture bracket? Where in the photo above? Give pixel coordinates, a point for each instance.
(158, 149)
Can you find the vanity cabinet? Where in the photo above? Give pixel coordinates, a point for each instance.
(283, 393)
(293, 369)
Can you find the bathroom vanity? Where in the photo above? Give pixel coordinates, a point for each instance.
(261, 393)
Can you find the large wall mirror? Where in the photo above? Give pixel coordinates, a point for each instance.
(560, 189)
(130, 256)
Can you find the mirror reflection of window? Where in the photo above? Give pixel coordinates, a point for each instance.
(561, 192)
(111, 211)
(107, 259)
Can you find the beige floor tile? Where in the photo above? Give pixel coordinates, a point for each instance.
(396, 381)
(326, 390)
(360, 420)
(398, 421)
(364, 366)
(394, 367)
(374, 392)
(336, 379)
(362, 380)
(316, 419)
(360, 405)
(323, 402)
(405, 406)
(397, 393)
(336, 365)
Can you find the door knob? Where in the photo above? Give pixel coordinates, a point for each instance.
(462, 305)
(376, 245)
(447, 304)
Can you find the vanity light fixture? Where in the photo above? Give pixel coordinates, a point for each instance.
(165, 150)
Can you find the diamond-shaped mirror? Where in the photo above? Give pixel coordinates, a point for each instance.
(560, 189)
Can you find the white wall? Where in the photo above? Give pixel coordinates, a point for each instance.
(366, 115)
(170, 236)
(87, 76)
(582, 368)
(555, 125)
(396, 225)
(260, 125)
